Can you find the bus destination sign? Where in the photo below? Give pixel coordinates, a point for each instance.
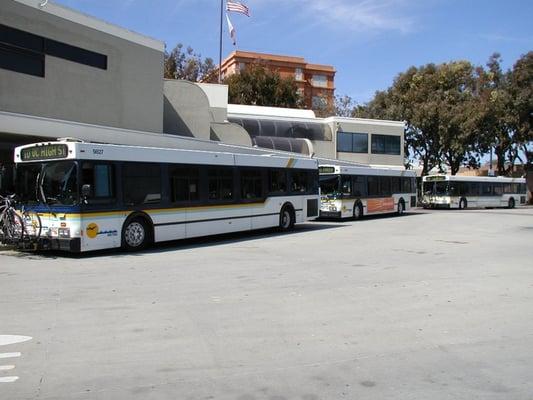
(435, 178)
(45, 152)
(326, 170)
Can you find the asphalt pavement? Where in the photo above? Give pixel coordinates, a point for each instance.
(430, 305)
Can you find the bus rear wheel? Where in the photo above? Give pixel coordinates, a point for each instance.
(135, 234)
(511, 203)
(463, 204)
(286, 218)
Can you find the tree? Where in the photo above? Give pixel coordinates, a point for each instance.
(438, 104)
(257, 85)
(521, 99)
(188, 65)
(344, 106)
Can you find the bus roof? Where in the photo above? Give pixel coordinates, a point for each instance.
(67, 149)
(463, 178)
(327, 169)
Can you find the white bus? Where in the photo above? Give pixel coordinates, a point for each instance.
(98, 196)
(472, 191)
(356, 191)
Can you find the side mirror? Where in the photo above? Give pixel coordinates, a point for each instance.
(86, 190)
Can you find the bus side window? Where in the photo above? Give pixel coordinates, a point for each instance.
(299, 181)
(141, 183)
(277, 181)
(385, 185)
(101, 177)
(251, 184)
(396, 184)
(220, 184)
(359, 186)
(373, 186)
(346, 185)
(184, 183)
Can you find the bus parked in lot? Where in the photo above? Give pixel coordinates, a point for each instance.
(97, 196)
(356, 191)
(472, 191)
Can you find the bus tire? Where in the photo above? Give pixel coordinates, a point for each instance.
(511, 203)
(287, 218)
(401, 207)
(136, 234)
(357, 211)
(463, 204)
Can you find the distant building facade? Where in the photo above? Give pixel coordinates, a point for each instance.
(316, 83)
(66, 74)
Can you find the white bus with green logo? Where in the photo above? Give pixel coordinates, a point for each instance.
(98, 196)
(356, 191)
(446, 191)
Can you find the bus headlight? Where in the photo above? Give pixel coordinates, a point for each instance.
(332, 208)
(64, 232)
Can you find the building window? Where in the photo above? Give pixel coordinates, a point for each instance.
(25, 52)
(299, 74)
(242, 66)
(320, 80)
(386, 144)
(352, 142)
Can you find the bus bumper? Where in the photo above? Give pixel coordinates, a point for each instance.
(73, 245)
(329, 214)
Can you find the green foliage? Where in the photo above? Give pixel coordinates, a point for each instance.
(521, 104)
(185, 64)
(456, 112)
(257, 85)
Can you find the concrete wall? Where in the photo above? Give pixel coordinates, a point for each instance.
(129, 94)
(370, 127)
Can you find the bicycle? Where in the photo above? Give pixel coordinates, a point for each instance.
(17, 226)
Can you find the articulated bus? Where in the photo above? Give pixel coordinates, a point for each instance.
(356, 191)
(472, 191)
(99, 196)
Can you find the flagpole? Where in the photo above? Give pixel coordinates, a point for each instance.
(220, 47)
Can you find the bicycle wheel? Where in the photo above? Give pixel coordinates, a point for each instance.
(12, 227)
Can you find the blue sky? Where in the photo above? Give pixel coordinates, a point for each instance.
(368, 41)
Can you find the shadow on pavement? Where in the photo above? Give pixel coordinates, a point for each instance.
(183, 244)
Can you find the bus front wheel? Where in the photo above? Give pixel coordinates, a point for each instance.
(463, 204)
(401, 207)
(357, 211)
(511, 203)
(135, 234)
(286, 218)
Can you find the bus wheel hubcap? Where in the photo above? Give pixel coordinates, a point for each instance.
(286, 219)
(357, 212)
(134, 234)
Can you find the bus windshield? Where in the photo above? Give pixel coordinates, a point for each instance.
(54, 183)
(59, 183)
(329, 185)
(436, 188)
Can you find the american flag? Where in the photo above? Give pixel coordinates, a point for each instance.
(237, 7)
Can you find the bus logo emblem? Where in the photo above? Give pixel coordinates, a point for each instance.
(92, 230)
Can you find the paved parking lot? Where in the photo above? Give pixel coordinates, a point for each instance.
(432, 305)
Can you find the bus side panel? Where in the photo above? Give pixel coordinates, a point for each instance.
(218, 219)
(101, 231)
(267, 215)
(168, 224)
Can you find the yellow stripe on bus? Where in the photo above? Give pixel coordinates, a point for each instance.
(60, 216)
